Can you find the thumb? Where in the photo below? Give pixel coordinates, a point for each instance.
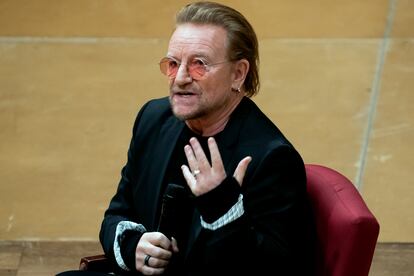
(241, 169)
(174, 245)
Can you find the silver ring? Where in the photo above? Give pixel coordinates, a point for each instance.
(196, 172)
(146, 260)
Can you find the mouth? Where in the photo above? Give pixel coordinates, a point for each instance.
(184, 93)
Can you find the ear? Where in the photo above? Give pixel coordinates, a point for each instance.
(241, 68)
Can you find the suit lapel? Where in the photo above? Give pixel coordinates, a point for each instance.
(169, 133)
(231, 135)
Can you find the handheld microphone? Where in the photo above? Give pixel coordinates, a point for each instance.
(172, 209)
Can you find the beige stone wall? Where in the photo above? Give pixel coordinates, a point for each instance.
(337, 78)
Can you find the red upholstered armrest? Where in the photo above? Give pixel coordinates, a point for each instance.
(347, 230)
(95, 263)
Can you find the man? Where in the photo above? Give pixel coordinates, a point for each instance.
(244, 209)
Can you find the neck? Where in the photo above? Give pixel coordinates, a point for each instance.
(213, 123)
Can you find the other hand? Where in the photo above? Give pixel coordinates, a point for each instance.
(202, 177)
(159, 248)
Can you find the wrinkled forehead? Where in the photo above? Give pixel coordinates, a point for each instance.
(198, 40)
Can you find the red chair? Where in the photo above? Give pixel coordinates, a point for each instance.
(347, 231)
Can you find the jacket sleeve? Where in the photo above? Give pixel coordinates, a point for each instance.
(273, 230)
(121, 204)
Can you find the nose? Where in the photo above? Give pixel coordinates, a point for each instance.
(183, 76)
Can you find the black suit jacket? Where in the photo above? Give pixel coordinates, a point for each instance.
(272, 235)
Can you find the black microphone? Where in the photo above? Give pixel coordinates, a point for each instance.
(174, 203)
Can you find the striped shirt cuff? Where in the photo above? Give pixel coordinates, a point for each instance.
(236, 211)
(119, 237)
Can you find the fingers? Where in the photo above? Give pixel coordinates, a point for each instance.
(159, 249)
(155, 262)
(147, 270)
(174, 245)
(241, 169)
(157, 239)
(208, 177)
(189, 177)
(191, 159)
(196, 157)
(216, 161)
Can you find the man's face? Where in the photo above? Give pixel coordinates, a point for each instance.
(203, 98)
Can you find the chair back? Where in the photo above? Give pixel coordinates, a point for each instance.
(347, 231)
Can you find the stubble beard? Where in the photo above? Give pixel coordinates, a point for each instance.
(195, 114)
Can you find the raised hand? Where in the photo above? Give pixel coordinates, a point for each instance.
(202, 177)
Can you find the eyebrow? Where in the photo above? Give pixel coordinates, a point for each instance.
(199, 55)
